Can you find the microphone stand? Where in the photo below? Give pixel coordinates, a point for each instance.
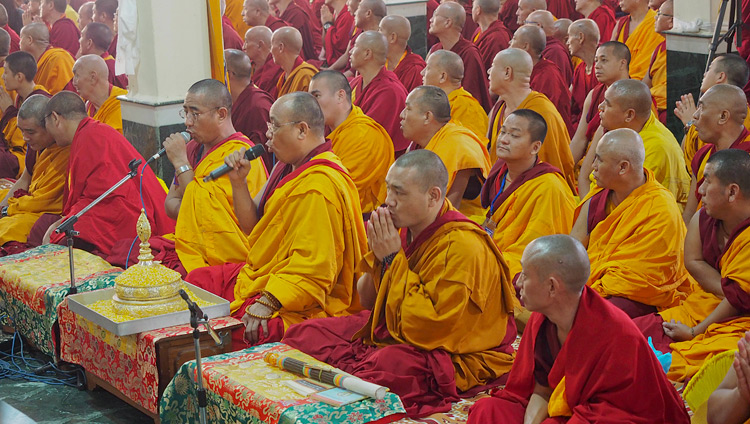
(67, 225)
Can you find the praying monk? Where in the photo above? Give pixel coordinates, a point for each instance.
(305, 231)
(94, 40)
(286, 44)
(257, 47)
(637, 31)
(554, 49)
(509, 79)
(85, 14)
(406, 64)
(363, 145)
(99, 158)
(583, 40)
(90, 77)
(230, 37)
(522, 192)
(491, 35)
(546, 77)
(581, 359)
(338, 26)
(258, 13)
(63, 32)
(14, 38)
(54, 65)
(428, 269)
(290, 12)
(632, 229)
(730, 402)
(446, 24)
(376, 90)
(426, 119)
(40, 188)
(105, 12)
(656, 77)
(601, 14)
(445, 70)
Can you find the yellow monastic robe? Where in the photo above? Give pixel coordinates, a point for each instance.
(54, 69)
(234, 13)
(366, 150)
(298, 79)
(467, 111)
(665, 160)
(304, 248)
(636, 252)
(109, 113)
(452, 293)
(460, 149)
(45, 195)
(657, 71)
(16, 143)
(693, 143)
(642, 43)
(207, 232)
(695, 308)
(556, 146)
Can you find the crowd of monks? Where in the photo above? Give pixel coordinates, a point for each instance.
(410, 218)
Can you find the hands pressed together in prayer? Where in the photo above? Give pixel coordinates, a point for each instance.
(382, 236)
(685, 108)
(5, 100)
(678, 331)
(325, 15)
(240, 165)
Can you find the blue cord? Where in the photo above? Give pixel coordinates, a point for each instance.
(23, 370)
(143, 205)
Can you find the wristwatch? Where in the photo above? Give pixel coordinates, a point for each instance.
(327, 25)
(182, 169)
(4, 212)
(687, 126)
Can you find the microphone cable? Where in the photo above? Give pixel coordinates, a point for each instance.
(145, 212)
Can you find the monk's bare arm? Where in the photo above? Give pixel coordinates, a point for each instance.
(706, 275)
(366, 291)
(22, 184)
(580, 227)
(692, 202)
(174, 198)
(457, 190)
(245, 207)
(587, 166)
(341, 62)
(730, 403)
(177, 154)
(578, 142)
(536, 410)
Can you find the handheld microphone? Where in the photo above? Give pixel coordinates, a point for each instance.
(252, 153)
(186, 135)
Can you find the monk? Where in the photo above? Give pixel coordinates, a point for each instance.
(14, 38)
(258, 13)
(554, 49)
(105, 12)
(429, 268)
(99, 158)
(85, 14)
(656, 77)
(426, 119)
(446, 24)
(338, 26)
(524, 9)
(367, 16)
(729, 404)
(291, 13)
(376, 90)
(40, 188)
(522, 192)
(508, 14)
(363, 145)
(601, 14)
(234, 13)
(546, 76)
(257, 47)
(54, 65)
(509, 79)
(470, 26)
(90, 77)
(491, 35)
(95, 39)
(309, 205)
(445, 70)
(406, 64)
(583, 40)
(580, 359)
(286, 45)
(631, 227)
(250, 105)
(63, 31)
(230, 37)
(637, 31)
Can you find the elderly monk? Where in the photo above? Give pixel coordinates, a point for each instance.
(546, 76)
(446, 24)
(581, 359)
(525, 7)
(95, 39)
(338, 24)
(426, 119)
(91, 80)
(40, 188)
(308, 210)
(632, 229)
(560, 30)
(445, 70)
(522, 192)
(257, 47)
(730, 403)
(363, 145)
(491, 35)
(400, 59)
(286, 44)
(99, 157)
(230, 36)
(234, 12)
(470, 26)
(637, 31)
(656, 77)
(583, 40)
(429, 268)
(85, 14)
(509, 79)
(104, 12)
(63, 32)
(14, 38)
(290, 12)
(376, 90)
(54, 65)
(258, 13)
(554, 49)
(367, 16)
(601, 14)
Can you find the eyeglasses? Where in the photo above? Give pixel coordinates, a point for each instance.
(664, 14)
(194, 115)
(273, 127)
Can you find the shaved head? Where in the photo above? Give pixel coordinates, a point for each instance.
(37, 31)
(534, 4)
(92, 63)
(109, 7)
(259, 33)
(334, 81)
(33, 108)
(623, 144)
(212, 93)
(430, 171)
(734, 67)
(261, 5)
(3, 15)
(489, 7)
(4, 43)
(631, 94)
(377, 7)
(588, 28)
(448, 62)
(727, 97)
(558, 255)
(428, 98)
(66, 104)
(99, 34)
(396, 24)
(238, 63)
(619, 50)
(517, 59)
(544, 19)
(453, 11)
(732, 166)
(289, 37)
(301, 107)
(376, 43)
(86, 11)
(533, 36)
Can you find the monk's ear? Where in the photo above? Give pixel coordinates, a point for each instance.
(724, 117)
(303, 129)
(535, 147)
(428, 116)
(733, 190)
(629, 115)
(223, 113)
(721, 77)
(623, 167)
(434, 195)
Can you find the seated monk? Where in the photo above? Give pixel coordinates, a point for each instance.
(445, 70)
(447, 22)
(554, 50)
(95, 39)
(730, 403)
(54, 65)
(406, 64)
(545, 77)
(257, 47)
(509, 79)
(524, 9)
(429, 269)
(308, 210)
(376, 90)
(99, 158)
(656, 77)
(632, 229)
(15, 40)
(637, 31)
(63, 32)
(426, 119)
(583, 41)
(305, 21)
(508, 14)
(105, 12)
(363, 145)
(258, 13)
(600, 13)
(90, 77)
(286, 44)
(337, 21)
(40, 188)
(367, 16)
(230, 36)
(580, 359)
(491, 35)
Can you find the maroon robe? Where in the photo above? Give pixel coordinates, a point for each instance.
(298, 18)
(313, 12)
(65, 35)
(383, 100)
(547, 79)
(605, 20)
(508, 15)
(15, 40)
(338, 35)
(250, 115)
(409, 70)
(273, 23)
(593, 120)
(113, 47)
(470, 27)
(709, 149)
(266, 76)
(475, 76)
(563, 9)
(431, 6)
(490, 42)
(232, 39)
(582, 84)
(558, 53)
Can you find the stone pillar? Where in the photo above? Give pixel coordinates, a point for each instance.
(416, 12)
(172, 41)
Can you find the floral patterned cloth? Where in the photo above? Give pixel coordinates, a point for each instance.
(243, 388)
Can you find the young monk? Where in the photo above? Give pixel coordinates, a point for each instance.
(637, 31)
